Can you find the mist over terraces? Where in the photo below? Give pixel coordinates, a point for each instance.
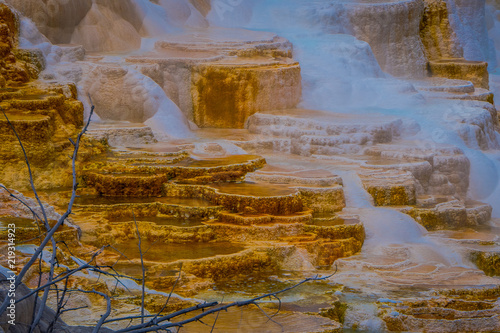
(237, 148)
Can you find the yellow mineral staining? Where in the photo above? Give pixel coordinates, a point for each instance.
(133, 185)
(264, 219)
(122, 232)
(474, 71)
(487, 261)
(158, 303)
(326, 252)
(272, 221)
(44, 120)
(355, 231)
(337, 312)
(443, 313)
(435, 220)
(224, 96)
(276, 205)
(473, 293)
(334, 242)
(389, 188)
(437, 36)
(180, 167)
(323, 199)
(221, 267)
(450, 215)
(12, 70)
(28, 234)
(43, 115)
(445, 54)
(16, 66)
(33, 57)
(260, 227)
(392, 195)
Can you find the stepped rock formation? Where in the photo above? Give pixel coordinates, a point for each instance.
(438, 37)
(396, 45)
(249, 145)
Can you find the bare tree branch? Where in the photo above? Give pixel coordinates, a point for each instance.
(108, 308)
(51, 231)
(146, 328)
(38, 316)
(159, 312)
(35, 215)
(156, 322)
(143, 269)
(32, 184)
(216, 317)
(268, 317)
(66, 275)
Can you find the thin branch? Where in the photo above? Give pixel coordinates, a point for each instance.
(279, 306)
(167, 317)
(144, 327)
(217, 317)
(143, 291)
(66, 275)
(39, 314)
(171, 292)
(155, 316)
(74, 309)
(35, 215)
(108, 308)
(269, 317)
(61, 220)
(47, 289)
(29, 167)
(61, 303)
(127, 318)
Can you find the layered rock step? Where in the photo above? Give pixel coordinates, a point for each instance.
(140, 175)
(459, 68)
(477, 241)
(440, 170)
(443, 313)
(441, 213)
(162, 211)
(311, 132)
(219, 77)
(444, 88)
(118, 134)
(26, 226)
(43, 117)
(470, 308)
(204, 204)
(394, 171)
(230, 42)
(238, 197)
(276, 175)
(400, 52)
(207, 246)
(389, 187)
(285, 322)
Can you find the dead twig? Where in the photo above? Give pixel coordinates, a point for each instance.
(156, 326)
(51, 231)
(216, 317)
(143, 269)
(108, 308)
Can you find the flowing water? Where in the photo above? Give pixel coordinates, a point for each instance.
(340, 73)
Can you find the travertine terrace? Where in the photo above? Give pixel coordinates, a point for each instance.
(247, 145)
